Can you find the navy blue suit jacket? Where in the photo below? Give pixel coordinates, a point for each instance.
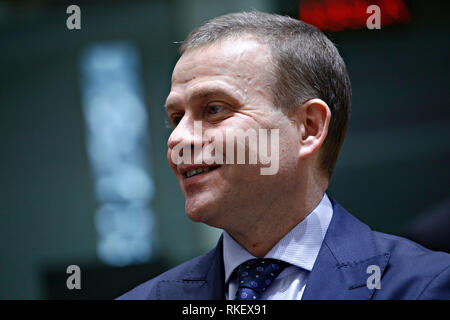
(408, 270)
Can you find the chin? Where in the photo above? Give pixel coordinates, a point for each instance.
(203, 213)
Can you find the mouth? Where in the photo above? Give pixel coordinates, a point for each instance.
(199, 171)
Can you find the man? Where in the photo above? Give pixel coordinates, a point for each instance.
(283, 238)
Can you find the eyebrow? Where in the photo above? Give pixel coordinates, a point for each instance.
(204, 93)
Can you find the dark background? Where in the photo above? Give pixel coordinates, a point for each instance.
(393, 169)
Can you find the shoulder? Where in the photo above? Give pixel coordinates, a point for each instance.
(405, 252)
(408, 271)
(149, 289)
(414, 270)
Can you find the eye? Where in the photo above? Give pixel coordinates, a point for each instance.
(213, 109)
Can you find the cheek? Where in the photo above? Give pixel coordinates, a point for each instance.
(288, 148)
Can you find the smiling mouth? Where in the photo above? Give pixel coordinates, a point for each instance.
(194, 172)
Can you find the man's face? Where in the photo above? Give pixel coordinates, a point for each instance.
(227, 86)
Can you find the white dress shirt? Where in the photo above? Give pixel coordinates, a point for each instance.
(299, 247)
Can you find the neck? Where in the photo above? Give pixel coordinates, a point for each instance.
(269, 228)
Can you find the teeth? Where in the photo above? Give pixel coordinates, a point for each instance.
(194, 172)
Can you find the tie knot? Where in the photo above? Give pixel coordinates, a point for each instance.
(257, 275)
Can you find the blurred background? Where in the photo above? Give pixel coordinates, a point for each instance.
(84, 176)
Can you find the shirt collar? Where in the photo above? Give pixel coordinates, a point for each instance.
(299, 247)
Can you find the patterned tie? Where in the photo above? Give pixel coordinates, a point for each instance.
(255, 276)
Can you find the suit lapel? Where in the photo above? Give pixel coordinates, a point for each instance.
(203, 282)
(340, 270)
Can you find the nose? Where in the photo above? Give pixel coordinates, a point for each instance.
(187, 134)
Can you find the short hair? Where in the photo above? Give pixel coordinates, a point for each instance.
(307, 65)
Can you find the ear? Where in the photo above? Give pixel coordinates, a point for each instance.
(313, 119)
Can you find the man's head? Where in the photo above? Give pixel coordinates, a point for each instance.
(258, 71)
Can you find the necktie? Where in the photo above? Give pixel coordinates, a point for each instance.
(255, 276)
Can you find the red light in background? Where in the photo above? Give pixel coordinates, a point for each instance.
(360, 13)
(339, 14)
(316, 14)
(395, 9)
(336, 15)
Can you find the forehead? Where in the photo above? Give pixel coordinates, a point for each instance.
(240, 64)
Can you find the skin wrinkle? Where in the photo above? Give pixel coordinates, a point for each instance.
(257, 211)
